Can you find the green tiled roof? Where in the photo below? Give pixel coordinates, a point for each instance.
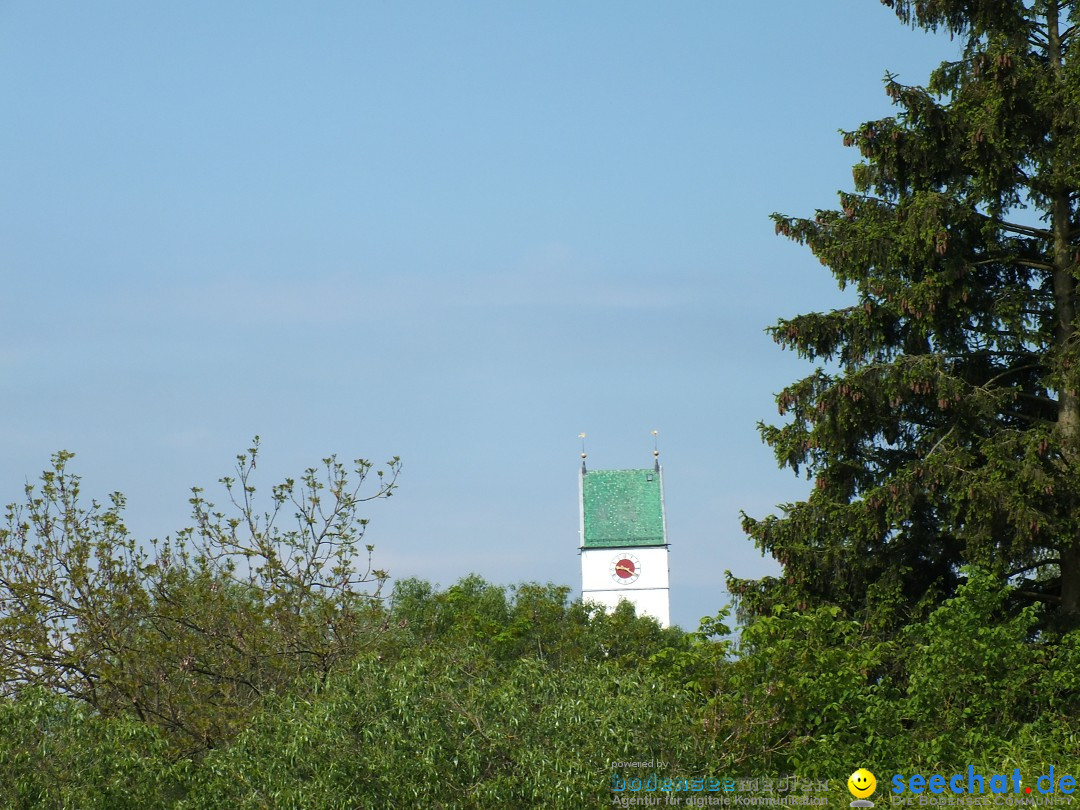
(622, 508)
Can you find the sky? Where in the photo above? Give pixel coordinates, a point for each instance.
(461, 233)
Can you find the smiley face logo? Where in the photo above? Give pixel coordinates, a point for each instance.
(861, 783)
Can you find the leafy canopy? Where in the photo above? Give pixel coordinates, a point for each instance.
(187, 635)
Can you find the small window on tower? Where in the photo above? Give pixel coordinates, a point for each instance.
(649, 477)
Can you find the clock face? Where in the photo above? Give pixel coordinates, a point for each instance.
(625, 568)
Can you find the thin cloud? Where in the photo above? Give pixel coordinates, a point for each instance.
(346, 298)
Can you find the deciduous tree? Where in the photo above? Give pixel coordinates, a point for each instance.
(187, 634)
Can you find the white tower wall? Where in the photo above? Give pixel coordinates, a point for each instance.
(652, 602)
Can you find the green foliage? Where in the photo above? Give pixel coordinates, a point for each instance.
(437, 718)
(942, 426)
(697, 663)
(451, 704)
(56, 752)
(476, 696)
(808, 694)
(974, 672)
(185, 635)
(812, 692)
(527, 620)
(444, 726)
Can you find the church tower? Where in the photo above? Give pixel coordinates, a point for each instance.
(624, 548)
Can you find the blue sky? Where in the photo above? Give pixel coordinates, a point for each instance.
(460, 233)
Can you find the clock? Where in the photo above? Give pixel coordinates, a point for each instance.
(625, 568)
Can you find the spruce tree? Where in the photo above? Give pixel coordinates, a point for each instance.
(941, 424)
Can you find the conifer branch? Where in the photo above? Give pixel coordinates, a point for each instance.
(937, 444)
(1009, 371)
(1042, 597)
(1033, 566)
(1017, 260)
(1025, 230)
(1036, 398)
